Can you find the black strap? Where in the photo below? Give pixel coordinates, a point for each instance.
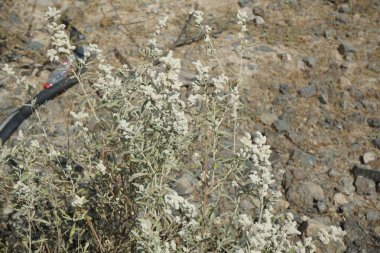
(26, 110)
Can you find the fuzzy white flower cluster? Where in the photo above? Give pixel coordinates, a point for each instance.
(234, 102)
(201, 76)
(179, 203)
(20, 81)
(21, 188)
(78, 201)
(201, 79)
(198, 16)
(80, 117)
(163, 92)
(35, 144)
(242, 20)
(220, 83)
(60, 40)
(202, 82)
(172, 67)
(180, 123)
(334, 234)
(150, 237)
(127, 128)
(161, 24)
(255, 149)
(183, 213)
(109, 85)
(258, 153)
(152, 43)
(101, 168)
(93, 50)
(268, 236)
(7, 69)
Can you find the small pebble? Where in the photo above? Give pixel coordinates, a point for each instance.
(339, 199)
(284, 88)
(369, 157)
(310, 61)
(345, 48)
(374, 122)
(376, 142)
(307, 91)
(258, 20)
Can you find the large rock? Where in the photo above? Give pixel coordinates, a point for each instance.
(303, 158)
(365, 186)
(305, 194)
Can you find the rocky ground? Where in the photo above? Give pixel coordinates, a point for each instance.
(311, 84)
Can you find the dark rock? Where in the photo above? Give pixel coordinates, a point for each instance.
(338, 1)
(62, 161)
(80, 51)
(367, 172)
(281, 126)
(345, 48)
(374, 122)
(265, 49)
(364, 186)
(307, 91)
(376, 142)
(284, 88)
(258, 11)
(310, 61)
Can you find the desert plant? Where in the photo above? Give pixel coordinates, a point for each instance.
(112, 189)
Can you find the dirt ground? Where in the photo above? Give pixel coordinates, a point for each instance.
(311, 83)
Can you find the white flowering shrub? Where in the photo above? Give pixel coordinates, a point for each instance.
(112, 187)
